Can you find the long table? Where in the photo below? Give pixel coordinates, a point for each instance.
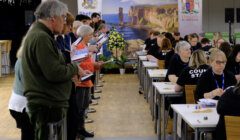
(163, 90)
(201, 120)
(147, 65)
(154, 75)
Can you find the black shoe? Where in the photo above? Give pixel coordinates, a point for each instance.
(140, 92)
(85, 133)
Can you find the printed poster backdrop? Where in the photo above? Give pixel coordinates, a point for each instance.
(190, 16)
(87, 7)
(135, 18)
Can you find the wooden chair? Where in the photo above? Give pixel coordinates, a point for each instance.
(189, 92)
(232, 124)
(161, 64)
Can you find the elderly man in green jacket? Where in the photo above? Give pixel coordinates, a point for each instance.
(47, 78)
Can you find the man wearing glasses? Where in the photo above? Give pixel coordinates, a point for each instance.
(46, 75)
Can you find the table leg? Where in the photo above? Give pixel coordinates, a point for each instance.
(159, 129)
(155, 110)
(151, 95)
(174, 125)
(196, 134)
(163, 116)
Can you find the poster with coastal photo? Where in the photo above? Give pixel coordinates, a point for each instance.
(135, 18)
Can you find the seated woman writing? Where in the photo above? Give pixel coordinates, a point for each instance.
(215, 80)
(196, 67)
(228, 104)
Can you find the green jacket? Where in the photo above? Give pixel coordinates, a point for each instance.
(47, 78)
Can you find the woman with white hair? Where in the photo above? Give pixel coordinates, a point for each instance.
(179, 61)
(83, 87)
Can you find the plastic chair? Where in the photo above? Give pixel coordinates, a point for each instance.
(232, 124)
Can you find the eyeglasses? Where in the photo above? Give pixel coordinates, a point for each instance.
(220, 62)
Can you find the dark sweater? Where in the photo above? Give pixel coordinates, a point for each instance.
(228, 104)
(207, 83)
(47, 77)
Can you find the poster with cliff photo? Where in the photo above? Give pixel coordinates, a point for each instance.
(135, 18)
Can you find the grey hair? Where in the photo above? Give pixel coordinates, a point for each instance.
(84, 30)
(50, 8)
(180, 45)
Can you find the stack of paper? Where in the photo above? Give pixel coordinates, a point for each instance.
(207, 102)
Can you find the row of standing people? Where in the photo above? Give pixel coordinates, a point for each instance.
(47, 89)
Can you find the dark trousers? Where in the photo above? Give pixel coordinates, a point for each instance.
(82, 100)
(41, 116)
(23, 123)
(72, 116)
(93, 81)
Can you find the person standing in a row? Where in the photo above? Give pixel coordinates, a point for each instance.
(47, 77)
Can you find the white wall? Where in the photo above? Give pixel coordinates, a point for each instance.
(214, 15)
(72, 6)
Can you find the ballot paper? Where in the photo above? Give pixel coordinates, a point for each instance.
(79, 55)
(102, 40)
(87, 77)
(75, 43)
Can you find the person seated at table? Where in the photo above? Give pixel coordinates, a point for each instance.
(216, 37)
(152, 40)
(228, 104)
(205, 45)
(226, 48)
(215, 80)
(219, 42)
(233, 63)
(194, 41)
(196, 67)
(153, 48)
(165, 50)
(178, 61)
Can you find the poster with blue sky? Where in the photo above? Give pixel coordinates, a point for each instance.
(134, 18)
